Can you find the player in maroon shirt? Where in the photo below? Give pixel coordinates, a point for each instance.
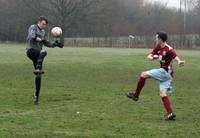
(166, 54)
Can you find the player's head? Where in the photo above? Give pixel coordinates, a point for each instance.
(42, 22)
(161, 37)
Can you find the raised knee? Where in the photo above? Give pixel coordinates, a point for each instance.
(144, 75)
(163, 93)
(43, 52)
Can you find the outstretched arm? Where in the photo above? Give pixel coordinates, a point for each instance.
(56, 43)
(179, 61)
(152, 57)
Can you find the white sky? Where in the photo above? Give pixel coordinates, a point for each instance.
(170, 3)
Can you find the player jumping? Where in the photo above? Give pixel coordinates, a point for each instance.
(166, 54)
(36, 39)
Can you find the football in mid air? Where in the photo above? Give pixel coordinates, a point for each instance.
(56, 31)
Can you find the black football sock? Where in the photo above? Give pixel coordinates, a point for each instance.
(37, 85)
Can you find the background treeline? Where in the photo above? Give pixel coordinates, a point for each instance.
(98, 18)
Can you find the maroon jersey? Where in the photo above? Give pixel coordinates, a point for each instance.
(166, 55)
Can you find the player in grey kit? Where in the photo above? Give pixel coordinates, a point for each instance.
(36, 39)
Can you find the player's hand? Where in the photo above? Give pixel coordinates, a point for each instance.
(181, 63)
(44, 41)
(152, 57)
(58, 44)
(38, 39)
(155, 56)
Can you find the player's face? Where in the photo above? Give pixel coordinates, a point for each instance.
(158, 40)
(42, 24)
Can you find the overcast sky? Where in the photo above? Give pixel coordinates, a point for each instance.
(171, 3)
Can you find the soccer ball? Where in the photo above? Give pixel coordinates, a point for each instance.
(56, 31)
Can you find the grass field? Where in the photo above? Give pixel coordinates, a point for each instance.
(82, 95)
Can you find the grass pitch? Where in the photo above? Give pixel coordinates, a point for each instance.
(82, 95)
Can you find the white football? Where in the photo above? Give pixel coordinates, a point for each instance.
(56, 31)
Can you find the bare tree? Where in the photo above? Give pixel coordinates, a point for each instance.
(64, 13)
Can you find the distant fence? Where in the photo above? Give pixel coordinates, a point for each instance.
(177, 41)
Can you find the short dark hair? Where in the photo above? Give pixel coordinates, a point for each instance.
(43, 18)
(162, 35)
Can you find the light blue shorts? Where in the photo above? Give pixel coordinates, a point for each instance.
(164, 77)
